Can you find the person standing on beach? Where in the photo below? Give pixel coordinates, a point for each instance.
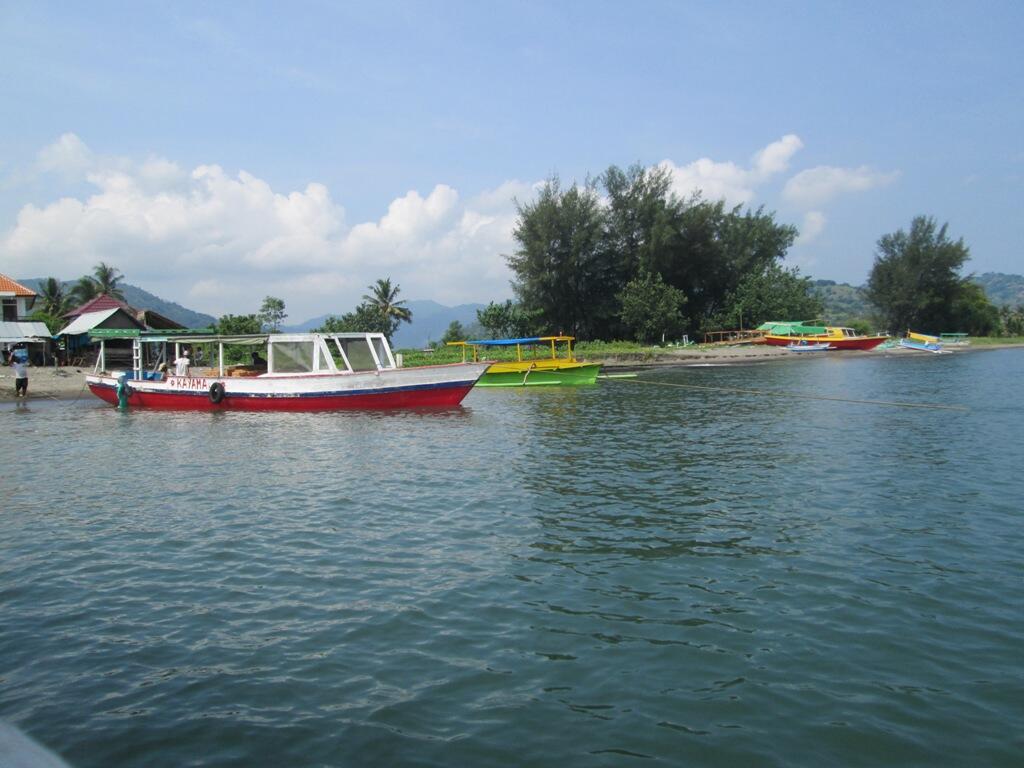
(20, 365)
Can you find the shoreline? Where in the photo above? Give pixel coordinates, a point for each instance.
(69, 383)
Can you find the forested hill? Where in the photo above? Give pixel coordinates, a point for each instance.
(1002, 289)
(142, 299)
(845, 303)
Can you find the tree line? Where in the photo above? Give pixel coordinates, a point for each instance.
(56, 300)
(381, 311)
(623, 256)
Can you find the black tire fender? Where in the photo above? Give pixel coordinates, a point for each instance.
(216, 392)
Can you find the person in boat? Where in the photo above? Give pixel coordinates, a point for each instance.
(182, 363)
(257, 361)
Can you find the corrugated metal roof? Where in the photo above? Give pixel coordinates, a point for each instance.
(23, 331)
(7, 285)
(85, 323)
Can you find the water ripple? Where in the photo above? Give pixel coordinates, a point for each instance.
(594, 576)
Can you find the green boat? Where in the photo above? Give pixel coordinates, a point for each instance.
(560, 368)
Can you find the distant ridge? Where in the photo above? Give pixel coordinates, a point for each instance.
(845, 303)
(142, 299)
(1002, 289)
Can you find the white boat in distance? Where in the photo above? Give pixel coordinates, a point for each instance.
(804, 346)
(303, 372)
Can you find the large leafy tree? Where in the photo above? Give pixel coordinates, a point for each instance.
(366, 318)
(651, 309)
(238, 325)
(915, 282)
(560, 264)
(272, 313)
(383, 300)
(714, 249)
(507, 320)
(643, 220)
(455, 332)
(775, 293)
(577, 252)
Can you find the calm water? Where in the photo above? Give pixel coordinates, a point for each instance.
(625, 574)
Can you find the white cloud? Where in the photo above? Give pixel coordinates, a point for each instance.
(817, 186)
(813, 225)
(729, 181)
(776, 156)
(221, 242)
(68, 155)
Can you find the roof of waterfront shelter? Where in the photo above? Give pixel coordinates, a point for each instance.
(101, 302)
(23, 331)
(7, 285)
(87, 321)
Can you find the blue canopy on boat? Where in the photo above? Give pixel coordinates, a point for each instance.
(513, 342)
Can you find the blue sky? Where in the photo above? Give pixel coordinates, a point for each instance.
(219, 152)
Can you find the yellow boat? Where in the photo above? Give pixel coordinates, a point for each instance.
(560, 368)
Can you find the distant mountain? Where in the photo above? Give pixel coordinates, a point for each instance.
(844, 303)
(1002, 289)
(430, 320)
(142, 299)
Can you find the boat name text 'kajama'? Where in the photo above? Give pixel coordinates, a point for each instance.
(192, 383)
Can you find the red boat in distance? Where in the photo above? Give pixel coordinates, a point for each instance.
(837, 338)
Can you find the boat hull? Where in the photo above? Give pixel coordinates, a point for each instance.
(540, 373)
(808, 347)
(846, 342)
(428, 387)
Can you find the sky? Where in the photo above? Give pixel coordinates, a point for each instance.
(217, 153)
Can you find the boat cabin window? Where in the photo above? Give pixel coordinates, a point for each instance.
(382, 353)
(358, 353)
(292, 356)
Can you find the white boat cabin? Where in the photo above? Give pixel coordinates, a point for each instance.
(292, 353)
(287, 354)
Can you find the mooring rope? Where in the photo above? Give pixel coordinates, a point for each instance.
(790, 395)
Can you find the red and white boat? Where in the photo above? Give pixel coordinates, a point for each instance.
(302, 372)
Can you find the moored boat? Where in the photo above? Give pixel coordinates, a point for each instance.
(835, 337)
(805, 346)
(302, 372)
(921, 342)
(921, 346)
(560, 368)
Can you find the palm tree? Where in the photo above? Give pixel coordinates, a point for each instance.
(107, 278)
(384, 299)
(84, 290)
(55, 301)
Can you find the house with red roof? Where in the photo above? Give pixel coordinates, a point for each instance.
(16, 327)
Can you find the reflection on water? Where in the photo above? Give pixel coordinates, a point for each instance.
(589, 575)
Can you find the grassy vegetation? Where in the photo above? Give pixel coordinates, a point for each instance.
(981, 341)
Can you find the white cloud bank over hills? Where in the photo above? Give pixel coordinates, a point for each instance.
(220, 242)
